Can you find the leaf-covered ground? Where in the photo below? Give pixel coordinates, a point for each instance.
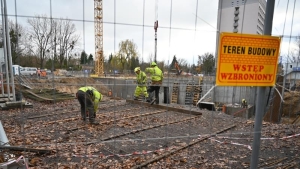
(131, 135)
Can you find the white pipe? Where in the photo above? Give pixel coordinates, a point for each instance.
(3, 138)
(206, 94)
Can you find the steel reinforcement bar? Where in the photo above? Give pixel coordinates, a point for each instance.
(144, 164)
(142, 129)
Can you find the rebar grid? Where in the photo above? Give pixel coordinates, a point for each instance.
(130, 134)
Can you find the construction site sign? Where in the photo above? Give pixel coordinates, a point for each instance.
(247, 60)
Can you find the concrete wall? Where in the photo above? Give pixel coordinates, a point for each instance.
(234, 94)
(249, 16)
(124, 88)
(239, 112)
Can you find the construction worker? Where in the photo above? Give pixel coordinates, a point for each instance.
(38, 73)
(244, 103)
(141, 80)
(156, 77)
(89, 98)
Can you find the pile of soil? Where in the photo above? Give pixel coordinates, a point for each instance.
(69, 84)
(291, 104)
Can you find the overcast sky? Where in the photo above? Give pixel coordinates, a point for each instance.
(184, 43)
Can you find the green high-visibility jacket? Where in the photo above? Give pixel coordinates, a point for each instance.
(156, 73)
(97, 96)
(141, 78)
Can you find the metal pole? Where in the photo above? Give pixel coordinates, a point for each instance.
(283, 88)
(9, 52)
(260, 99)
(5, 49)
(3, 138)
(155, 50)
(1, 78)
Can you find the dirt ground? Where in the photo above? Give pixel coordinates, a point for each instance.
(128, 129)
(70, 84)
(291, 104)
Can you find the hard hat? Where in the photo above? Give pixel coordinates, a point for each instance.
(243, 100)
(153, 64)
(137, 69)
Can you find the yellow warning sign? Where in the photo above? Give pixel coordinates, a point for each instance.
(247, 60)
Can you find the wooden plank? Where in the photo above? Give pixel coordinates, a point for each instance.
(40, 97)
(166, 107)
(15, 148)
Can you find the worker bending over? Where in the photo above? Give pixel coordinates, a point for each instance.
(141, 80)
(244, 103)
(156, 77)
(89, 98)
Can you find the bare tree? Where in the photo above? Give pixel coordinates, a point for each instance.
(66, 39)
(17, 40)
(296, 57)
(40, 35)
(16, 34)
(56, 35)
(182, 62)
(206, 62)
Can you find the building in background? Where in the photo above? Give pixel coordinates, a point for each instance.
(239, 16)
(290, 67)
(242, 16)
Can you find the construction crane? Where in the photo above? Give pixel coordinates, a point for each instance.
(155, 50)
(155, 29)
(99, 58)
(177, 68)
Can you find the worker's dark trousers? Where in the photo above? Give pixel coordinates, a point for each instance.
(86, 104)
(156, 90)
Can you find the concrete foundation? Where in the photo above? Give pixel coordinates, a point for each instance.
(124, 88)
(238, 111)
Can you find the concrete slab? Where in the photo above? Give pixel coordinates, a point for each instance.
(166, 107)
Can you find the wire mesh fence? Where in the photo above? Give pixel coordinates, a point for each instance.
(195, 125)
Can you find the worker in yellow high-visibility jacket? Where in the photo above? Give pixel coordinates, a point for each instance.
(89, 98)
(141, 80)
(244, 103)
(156, 78)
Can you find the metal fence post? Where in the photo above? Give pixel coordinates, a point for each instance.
(260, 106)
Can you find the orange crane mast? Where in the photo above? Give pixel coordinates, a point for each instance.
(98, 24)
